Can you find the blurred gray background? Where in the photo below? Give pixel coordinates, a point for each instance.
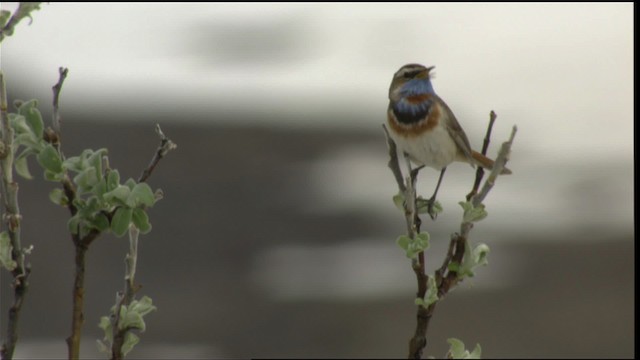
(276, 233)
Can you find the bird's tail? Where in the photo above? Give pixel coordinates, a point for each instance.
(486, 163)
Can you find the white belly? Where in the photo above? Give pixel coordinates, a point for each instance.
(435, 148)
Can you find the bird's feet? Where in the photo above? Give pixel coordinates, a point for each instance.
(430, 206)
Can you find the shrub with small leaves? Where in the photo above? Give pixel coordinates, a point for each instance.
(457, 350)
(413, 247)
(102, 202)
(431, 295)
(131, 318)
(99, 202)
(472, 259)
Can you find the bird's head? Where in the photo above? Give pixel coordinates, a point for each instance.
(411, 79)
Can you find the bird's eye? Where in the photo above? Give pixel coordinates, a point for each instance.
(408, 75)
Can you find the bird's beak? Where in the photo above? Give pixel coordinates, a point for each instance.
(425, 72)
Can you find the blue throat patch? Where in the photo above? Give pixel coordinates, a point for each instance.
(417, 87)
(408, 113)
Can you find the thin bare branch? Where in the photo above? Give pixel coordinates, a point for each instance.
(11, 217)
(125, 298)
(57, 129)
(393, 161)
(485, 147)
(407, 188)
(498, 166)
(165, 146)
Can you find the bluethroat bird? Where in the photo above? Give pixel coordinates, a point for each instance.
(424, 127)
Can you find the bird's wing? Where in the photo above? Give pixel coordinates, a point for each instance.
(455, 130)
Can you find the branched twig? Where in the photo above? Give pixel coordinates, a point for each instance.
(457, 246)
(55, 135)
(80, 243)
(24, 10)
(127, 296)
(57, 88)
(407, 188)
(419, 340)
(124, 299)
(445, 278)
(499, 165)
(393, 161)
(12, 217)
(460, 239)
(166, 145)
(485, 147)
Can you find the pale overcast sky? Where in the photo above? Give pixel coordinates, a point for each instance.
(562, 72)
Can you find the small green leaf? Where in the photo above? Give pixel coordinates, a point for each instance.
(457, 350)
(130, 183)
(121, 220)
(476, 353)
(22, 168)
(79, 203)
(143, 306)
(403, 241)
(58, 197)
(141, 194)
(21, 164)
(53, 176)
(113, 180)
(19, 124)
(480, 254)
(95, 159)
(26, 153)
(118, 196)
(86, 179)
(100, 188)
(415, 246)
(73, 163)
(398, 200)
(431, 295)
(131, 319)
(30, 6)
(50, 159)
(6, 261)
(471, 213)
(29, 141)
(105, 324)
(100, 222)
(472, 259)
(130, 340)
(89, 207)
(422, 240)
(141, 220)
(432, 291)
(33, 117)
(73, 224)
(102, 347)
